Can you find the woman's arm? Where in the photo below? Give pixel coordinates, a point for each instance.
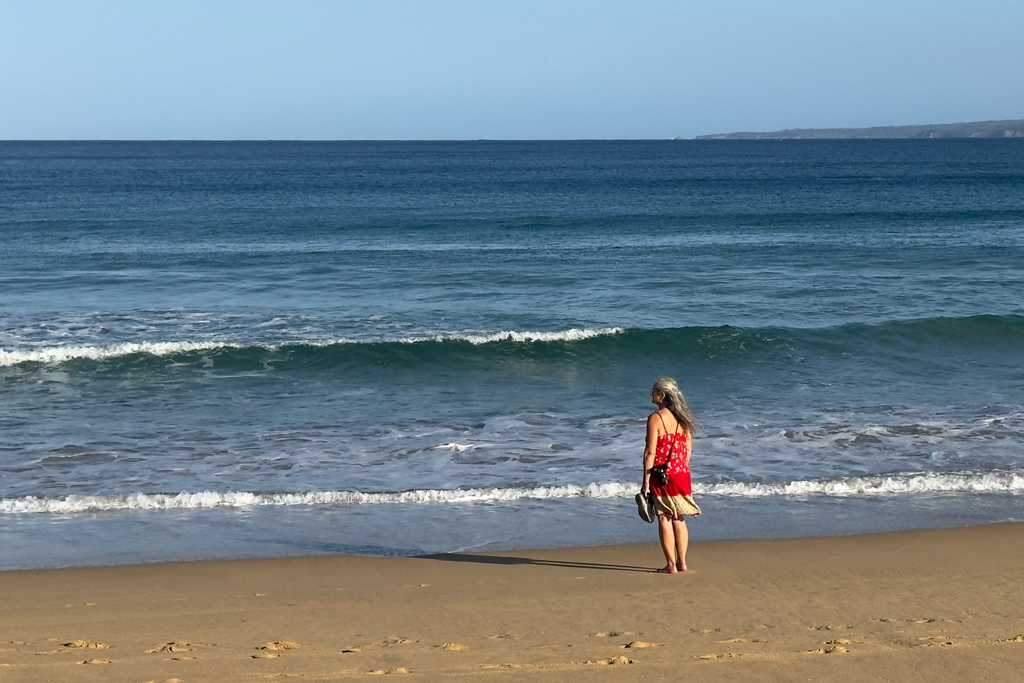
(650, 447)
(689, 446)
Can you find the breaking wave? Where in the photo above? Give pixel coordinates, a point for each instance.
(61, 354)
(896, 484)
(973, 334)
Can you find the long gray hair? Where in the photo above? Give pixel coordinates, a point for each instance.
(675, 402)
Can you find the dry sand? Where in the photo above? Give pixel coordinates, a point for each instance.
(913, 606)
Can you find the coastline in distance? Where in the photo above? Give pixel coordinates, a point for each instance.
(974, 129)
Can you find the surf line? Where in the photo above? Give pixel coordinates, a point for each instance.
(889, 485)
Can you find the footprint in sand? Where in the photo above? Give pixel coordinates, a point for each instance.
(176, 646)
(381, 672)
(612, 661)
(940, 643)
(501, 666)
(167, 680)
(502, 636)
(842, 641)
(722, 655)
(387, 642)
(281, 645)
(75, 645)
(1015, 639)
(639, 645)
(86, 644)
(265, 655)
(744, 640)
(451, 646)
(831, 650)
(96, 661)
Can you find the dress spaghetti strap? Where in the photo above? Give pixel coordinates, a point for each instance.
(665, 427)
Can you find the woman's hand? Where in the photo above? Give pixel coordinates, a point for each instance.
(646, 485)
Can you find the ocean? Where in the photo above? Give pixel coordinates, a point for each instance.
(255, 349)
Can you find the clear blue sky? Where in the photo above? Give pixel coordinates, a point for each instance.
(447, 69)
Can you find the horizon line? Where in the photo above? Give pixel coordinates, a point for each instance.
(449, 140)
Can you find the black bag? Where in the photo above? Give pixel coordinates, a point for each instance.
(659, 473)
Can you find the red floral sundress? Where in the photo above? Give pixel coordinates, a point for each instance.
(675, 498)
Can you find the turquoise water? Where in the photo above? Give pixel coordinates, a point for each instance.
(250, 349)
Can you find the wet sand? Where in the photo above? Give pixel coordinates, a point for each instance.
(908, 606)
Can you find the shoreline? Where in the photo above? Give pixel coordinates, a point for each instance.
(149, 537)
(907, 605)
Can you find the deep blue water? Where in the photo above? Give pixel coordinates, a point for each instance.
(285, 348)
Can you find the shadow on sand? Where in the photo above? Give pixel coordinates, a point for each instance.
(496, 559)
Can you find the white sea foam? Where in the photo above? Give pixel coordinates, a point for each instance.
(575, 334)
(233, 499)
(60, 354)
(992, 482)
(455, 447)
(911, 483)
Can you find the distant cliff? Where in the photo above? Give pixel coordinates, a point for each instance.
(976, 129)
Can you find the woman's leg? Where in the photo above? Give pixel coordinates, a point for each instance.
(666, 535)
(682, 539)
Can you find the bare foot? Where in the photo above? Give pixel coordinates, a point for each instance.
(682, 567)
(667, 569)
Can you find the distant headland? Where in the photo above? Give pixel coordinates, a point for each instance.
(975, 129)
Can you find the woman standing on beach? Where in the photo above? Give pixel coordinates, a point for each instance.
(669, 442)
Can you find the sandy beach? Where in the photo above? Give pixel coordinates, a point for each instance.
(901, 606)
